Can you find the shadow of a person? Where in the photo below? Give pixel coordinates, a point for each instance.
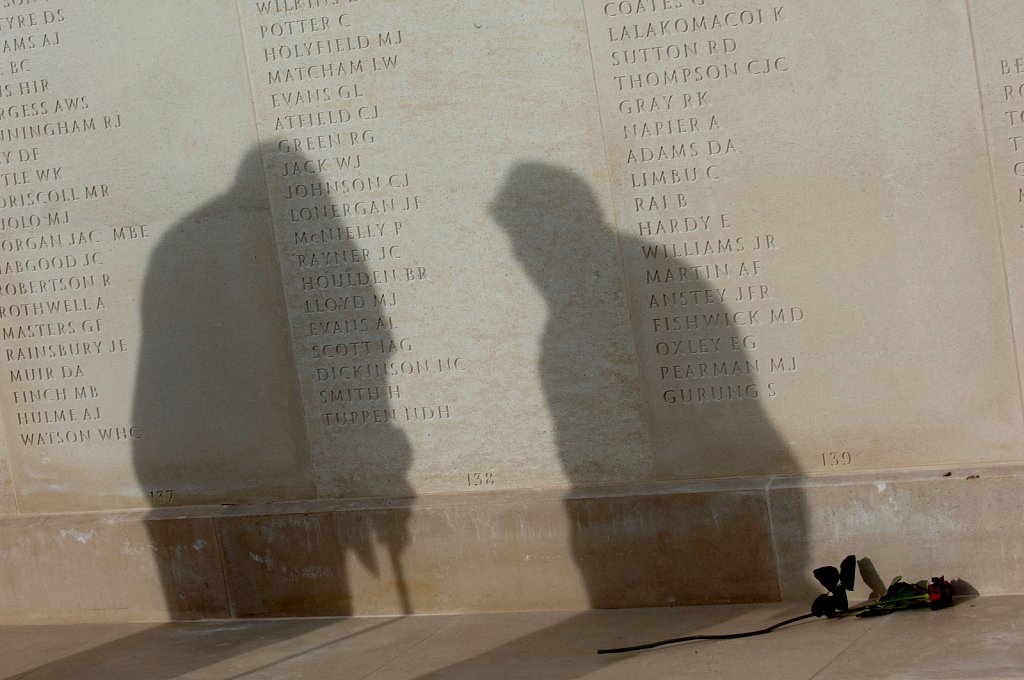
(697, 547)
(217, 409)
(542, 206)
(228, 397)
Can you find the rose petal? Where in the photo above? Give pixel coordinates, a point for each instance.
(827, 577)
(848, 572)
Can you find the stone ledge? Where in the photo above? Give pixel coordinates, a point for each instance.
(712, 541)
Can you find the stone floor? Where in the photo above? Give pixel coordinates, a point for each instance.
(977, 638)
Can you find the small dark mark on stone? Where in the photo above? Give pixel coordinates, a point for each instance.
(948, 474)
(972, 476)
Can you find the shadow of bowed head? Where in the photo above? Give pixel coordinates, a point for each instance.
(542, 207)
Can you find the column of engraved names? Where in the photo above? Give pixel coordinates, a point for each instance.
(1011, 97)
(705, 281)
(55, 284)
(348, 206)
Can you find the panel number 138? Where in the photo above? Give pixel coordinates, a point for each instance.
(480, 479)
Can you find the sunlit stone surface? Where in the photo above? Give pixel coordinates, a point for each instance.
(379, 303)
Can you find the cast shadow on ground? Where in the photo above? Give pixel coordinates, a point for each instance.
(233, 650)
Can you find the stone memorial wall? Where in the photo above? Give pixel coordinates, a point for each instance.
(376, 305)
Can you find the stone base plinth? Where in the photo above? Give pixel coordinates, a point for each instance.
(728, 541)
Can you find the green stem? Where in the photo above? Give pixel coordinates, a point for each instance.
(688, 638)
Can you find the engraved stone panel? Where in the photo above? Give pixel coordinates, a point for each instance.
(803, 199)
(387, 131)
(140, 361)
(999, 51)
(273, 250)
